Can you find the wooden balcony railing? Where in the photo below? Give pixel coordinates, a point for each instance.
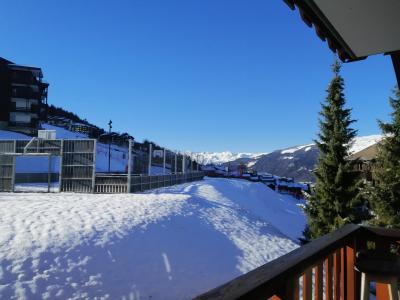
(322, 269)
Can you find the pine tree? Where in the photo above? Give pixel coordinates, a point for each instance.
(334, 200)
(385, 198)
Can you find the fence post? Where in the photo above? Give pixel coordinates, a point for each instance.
(176, 163)
(94, 166)
(129, 165)
(61, 166)
(14, 161)
(150, 156)
(164, 158)
(49, 174)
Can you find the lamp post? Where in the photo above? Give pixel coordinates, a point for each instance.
(109, 145)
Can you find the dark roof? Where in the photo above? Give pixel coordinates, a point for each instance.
(25, 67)
(12, 65)
(5, 61)
(312, 16)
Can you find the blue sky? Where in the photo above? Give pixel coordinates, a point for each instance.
(209, 75)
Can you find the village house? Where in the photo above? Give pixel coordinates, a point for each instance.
(364, 161)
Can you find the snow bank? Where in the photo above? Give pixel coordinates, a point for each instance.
(10, 135)
(172, 243)
(62, 133)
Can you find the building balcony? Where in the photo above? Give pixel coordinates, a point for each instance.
(30, 81)
(28, 94)
(28, 109)
(32, 124)
(321, 269)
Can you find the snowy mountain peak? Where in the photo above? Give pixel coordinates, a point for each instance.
(292, 150)
(223, 157)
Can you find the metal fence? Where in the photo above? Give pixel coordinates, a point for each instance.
(143, 182)
(111, 183)
(118, 183)
(78, 166)
(7, 166)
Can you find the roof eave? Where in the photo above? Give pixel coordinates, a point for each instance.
(313, 17)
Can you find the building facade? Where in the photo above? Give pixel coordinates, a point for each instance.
(23, 97)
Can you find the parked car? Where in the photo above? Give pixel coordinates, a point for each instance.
(254, 177)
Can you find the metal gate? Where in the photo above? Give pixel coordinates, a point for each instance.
(78, 166)
(7, 165)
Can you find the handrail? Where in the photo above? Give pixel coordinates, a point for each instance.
(278, 276)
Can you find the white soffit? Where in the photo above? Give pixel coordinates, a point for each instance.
(367, 26)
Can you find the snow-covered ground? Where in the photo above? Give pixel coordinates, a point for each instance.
(172, 243)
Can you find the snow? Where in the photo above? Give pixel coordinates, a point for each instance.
(36, 187)
(172, 243)
(297, 148)
(363, 142)
(307, 149)
(63, 133)
(10, 135)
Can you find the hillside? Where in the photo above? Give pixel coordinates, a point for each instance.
(172, 243)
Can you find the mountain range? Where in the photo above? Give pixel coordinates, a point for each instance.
(297, 162)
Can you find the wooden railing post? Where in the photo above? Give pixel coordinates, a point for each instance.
(319, 281)
(336, 274)
(343, 273)
(328, 277)
(307, 284)
(351, 274)
(382, 291)
(292, 289)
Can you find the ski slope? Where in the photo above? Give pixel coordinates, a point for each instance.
(172, 243)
